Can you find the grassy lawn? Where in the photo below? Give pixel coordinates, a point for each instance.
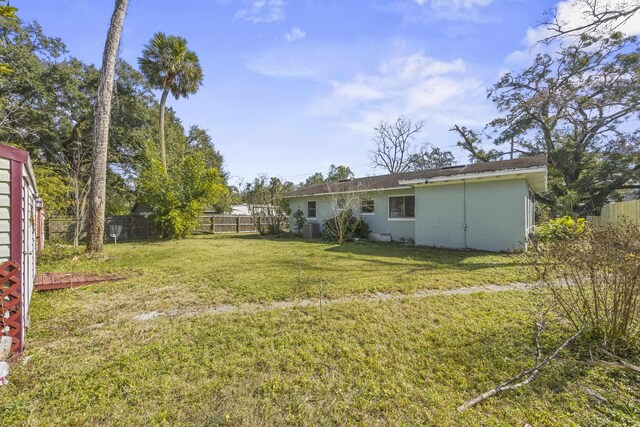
(395, 362)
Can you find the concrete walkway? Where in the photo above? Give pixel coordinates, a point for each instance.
(380, 296)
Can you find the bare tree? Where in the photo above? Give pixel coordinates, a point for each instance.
(598, 16)
(344, 215)
(395, 144)
(75, 164)
(95, 236)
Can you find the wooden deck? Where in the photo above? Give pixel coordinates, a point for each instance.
(52, 281)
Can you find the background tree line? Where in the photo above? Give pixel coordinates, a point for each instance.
(47, 107)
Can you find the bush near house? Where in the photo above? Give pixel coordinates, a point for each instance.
(344, 227)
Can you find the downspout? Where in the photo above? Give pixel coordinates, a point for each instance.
(464, 211)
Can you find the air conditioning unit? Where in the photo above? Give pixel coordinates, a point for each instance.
(311, 230)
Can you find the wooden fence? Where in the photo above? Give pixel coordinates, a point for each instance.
(226, 224)
(614, 213)
(136, 227)
(232, 224)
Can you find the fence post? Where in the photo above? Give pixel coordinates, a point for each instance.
(237, 224)
(213, 223)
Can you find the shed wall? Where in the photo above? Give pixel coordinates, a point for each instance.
(5, 210)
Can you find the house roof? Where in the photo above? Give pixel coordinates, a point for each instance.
(402, 180)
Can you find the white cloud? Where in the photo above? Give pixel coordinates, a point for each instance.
(262, 11)
(441, 92)
(295, 34)
(453, 4)
(570, 14)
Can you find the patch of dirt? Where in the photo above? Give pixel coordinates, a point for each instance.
(379, 296)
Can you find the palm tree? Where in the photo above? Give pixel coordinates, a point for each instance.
(102, 119)
(168, 65)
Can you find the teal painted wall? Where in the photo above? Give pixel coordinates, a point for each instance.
(378, 222)
(496, 215)
(440, 216)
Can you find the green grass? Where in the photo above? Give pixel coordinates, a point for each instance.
(396, 362)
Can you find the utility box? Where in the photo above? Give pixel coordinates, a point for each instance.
(311, 230)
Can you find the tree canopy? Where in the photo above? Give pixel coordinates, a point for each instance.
(579, 107)
(46, 107)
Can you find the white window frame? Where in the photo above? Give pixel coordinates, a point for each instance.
(316, 209)
(373, 200)
(389, 218)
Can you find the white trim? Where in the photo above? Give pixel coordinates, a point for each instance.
(312, 217)
(373, 190)
(373, 201)
(401, 218)
(425, 181)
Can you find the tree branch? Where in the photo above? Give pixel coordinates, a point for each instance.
(529, 374)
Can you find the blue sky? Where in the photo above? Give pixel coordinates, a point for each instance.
(292, 86)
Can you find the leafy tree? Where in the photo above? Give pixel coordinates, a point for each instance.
(7, 17)
(179, 197)
(267, 204)
(54, 189)
(335, 173)
(171, 67)
(316, 178)
(339, 173)
(578, 107)
(431, 157)
(199, 140)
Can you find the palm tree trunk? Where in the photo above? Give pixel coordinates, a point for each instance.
(163, 148)
(102, 112)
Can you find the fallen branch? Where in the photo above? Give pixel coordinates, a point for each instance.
(620, 364)
(530, 374)
(615, 365)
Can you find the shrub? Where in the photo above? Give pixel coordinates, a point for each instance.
(267, 204)
(179, 196)
(562, 228)
(594, 278)
(344, 227)
(299, 220)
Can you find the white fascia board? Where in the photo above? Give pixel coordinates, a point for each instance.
(404, 187)
(425, 181)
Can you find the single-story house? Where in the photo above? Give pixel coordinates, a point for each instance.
(487, 206)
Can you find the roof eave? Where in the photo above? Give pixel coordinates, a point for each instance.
(468, 176)
(370, 190)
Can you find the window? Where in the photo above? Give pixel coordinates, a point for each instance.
(402, 207)
(366, 206)
(311, 209)
(341, 203)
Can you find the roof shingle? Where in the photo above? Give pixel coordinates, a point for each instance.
(392, 181)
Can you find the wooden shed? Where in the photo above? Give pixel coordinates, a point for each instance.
(21, 219)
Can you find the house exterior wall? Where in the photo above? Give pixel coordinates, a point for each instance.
(495, 213)
(379, 222)
(5, 209)
(440, 216)
(498, 214)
